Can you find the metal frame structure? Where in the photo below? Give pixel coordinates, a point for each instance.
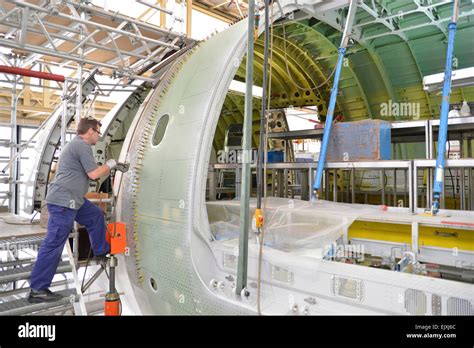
(383, 29)
(15, 149)
(29, 23)
(351, 167)
(410, 167)
(379, 16)
(465, 166)
(461, 128)
(24, 18)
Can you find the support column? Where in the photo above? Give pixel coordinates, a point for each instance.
(79, 75)
(13, 149)
(163, 14)
(247, 156)
(443, 123)
(414, 237)
(189, 17)
(64, 115)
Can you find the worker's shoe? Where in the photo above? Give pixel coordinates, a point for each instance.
(101, 260)
(43, 296)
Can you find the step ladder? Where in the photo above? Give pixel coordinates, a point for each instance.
(226, 183)
(13, 300)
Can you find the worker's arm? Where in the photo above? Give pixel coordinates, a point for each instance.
(102, 170)
(99, 172)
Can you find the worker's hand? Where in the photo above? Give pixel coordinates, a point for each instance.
(111, 163)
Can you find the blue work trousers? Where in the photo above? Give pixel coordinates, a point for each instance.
(60, 223)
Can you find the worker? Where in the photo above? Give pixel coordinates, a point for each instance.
(66, 204)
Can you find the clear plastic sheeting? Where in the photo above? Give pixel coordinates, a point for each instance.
(292, 226)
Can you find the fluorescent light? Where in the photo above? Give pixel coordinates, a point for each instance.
(459, 78)
(239, 87)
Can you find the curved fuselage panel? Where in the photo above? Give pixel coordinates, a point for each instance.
(166, 183)
(176, 267)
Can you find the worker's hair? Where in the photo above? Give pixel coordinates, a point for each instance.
(86, 123)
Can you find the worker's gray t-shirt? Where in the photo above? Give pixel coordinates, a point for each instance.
(71, 182)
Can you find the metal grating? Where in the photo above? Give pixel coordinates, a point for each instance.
(22, 306)
(282, 275)
(24, 272)
(415, 302)
(436, 305)
(459, 306)
(21, 242)
(347, 288)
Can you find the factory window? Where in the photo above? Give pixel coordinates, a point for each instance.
(160, 129)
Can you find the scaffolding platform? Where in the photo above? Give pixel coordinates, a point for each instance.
(22, 306)
(19, 234)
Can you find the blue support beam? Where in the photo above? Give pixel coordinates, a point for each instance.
(443, 124)
(328, 123)
(332, 101)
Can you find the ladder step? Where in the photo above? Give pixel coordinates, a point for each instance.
(27, 288)
(54, 311)
(23, 262)
(22, 306)
(27, 242)
(24, 242)
(22, 273)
